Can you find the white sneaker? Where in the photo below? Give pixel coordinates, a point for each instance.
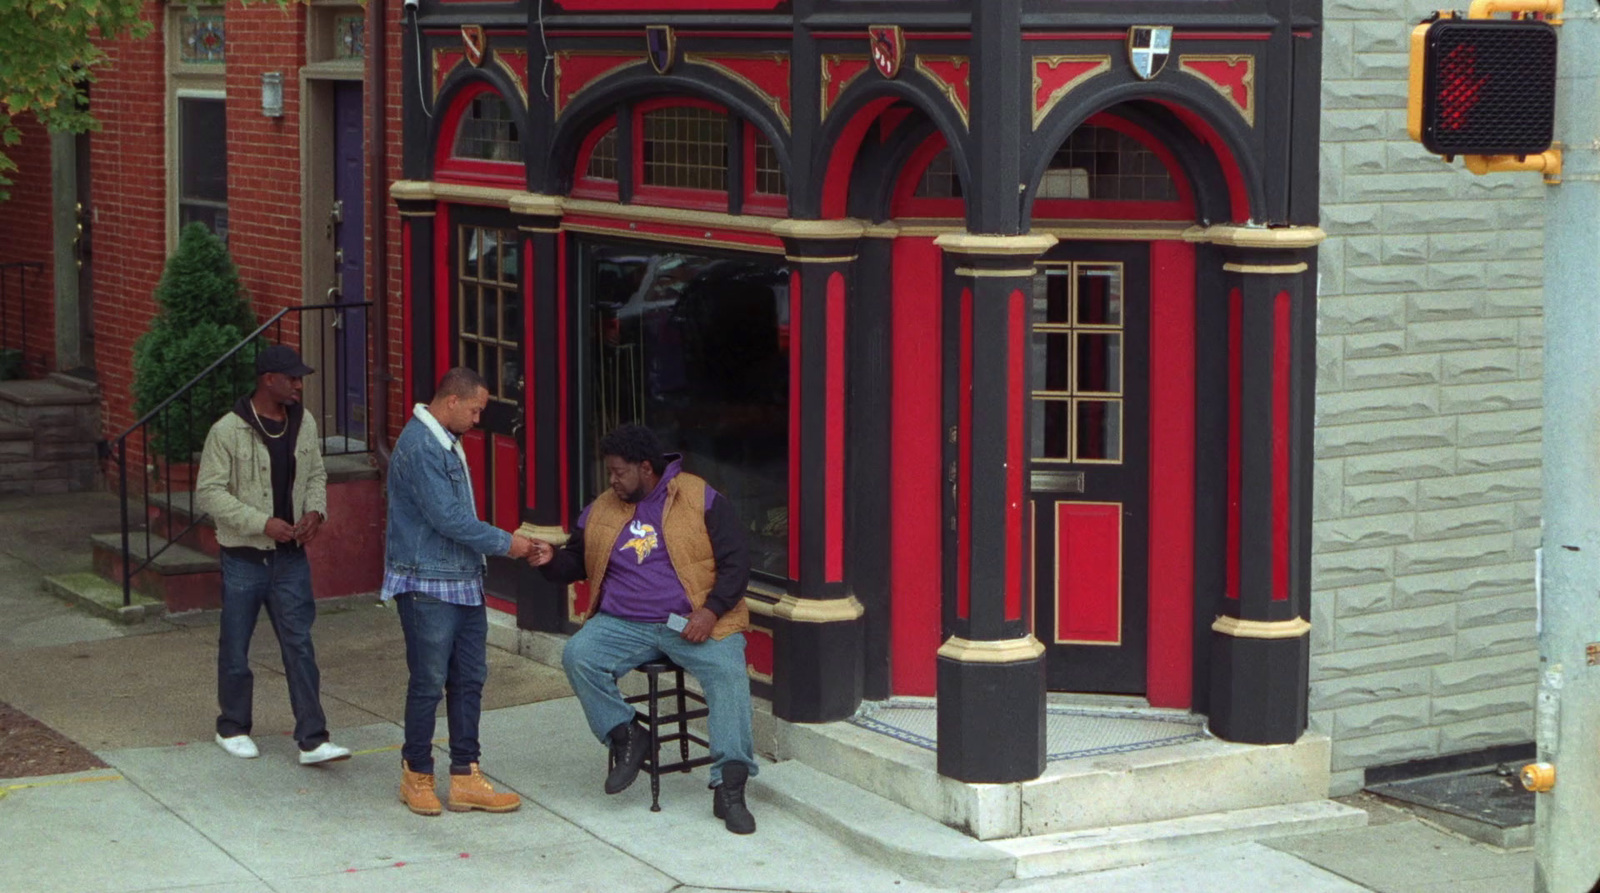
(326, 752)
(240, 746)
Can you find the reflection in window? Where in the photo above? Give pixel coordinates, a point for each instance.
(696, 348)
(203, 163)
(489, 309)
(1106, 164)
(1078, 332)
(686, 147)
(487, 131)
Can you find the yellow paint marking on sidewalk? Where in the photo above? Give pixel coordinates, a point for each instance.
(44, 784)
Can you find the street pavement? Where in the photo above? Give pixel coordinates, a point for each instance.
(174, 812)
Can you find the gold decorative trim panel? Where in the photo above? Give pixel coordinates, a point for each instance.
(1240, 91)
(1086, 68)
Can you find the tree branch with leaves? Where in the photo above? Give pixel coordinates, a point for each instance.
(49, 52)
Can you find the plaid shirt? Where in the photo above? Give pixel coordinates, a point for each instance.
(468, 593)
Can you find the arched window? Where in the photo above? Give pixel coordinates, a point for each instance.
(682, 153)
(1102, 163)
(940, 180)
(603, 158)
(685, 147)
(480, 140)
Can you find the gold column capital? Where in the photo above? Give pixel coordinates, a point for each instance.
(997, 651)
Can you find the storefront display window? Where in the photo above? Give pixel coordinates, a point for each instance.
(695, 347)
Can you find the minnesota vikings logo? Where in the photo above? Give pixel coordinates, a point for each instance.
(643, 542)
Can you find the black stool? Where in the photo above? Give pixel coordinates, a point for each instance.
(653, 721)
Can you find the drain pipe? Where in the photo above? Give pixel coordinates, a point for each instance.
(378, 174)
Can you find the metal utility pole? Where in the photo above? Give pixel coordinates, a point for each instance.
(1567, 848)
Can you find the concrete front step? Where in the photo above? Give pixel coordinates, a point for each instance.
(920, 848)
(908, 842)
(180, 578)
(1153, 785)
(1102, 849)
(97, 595)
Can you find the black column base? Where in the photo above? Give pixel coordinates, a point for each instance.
(817, 669)
(1259, 688)
(991, 720)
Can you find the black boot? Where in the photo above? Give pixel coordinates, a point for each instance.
(727, 800)
(628, 745)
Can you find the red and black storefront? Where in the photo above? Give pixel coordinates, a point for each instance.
(994, 320)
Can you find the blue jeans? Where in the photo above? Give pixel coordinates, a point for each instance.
(280, 582)
(607, 648)
(446, 650)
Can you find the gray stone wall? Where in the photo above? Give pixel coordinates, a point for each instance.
(1428, 424)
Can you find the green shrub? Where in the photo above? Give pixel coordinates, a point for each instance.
(203, 313)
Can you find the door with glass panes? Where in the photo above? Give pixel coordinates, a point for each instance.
(487, 326)
(1088, 469)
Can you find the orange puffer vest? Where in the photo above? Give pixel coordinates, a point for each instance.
(683, 533)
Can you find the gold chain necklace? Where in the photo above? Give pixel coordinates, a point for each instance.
(262, 425)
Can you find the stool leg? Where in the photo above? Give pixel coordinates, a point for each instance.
(683, 724)
(655, 746)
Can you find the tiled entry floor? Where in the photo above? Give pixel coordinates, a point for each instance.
(1072, 732)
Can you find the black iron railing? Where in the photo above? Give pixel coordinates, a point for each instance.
(333, 341)
(14, 279)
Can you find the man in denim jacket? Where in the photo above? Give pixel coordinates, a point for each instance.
(433, 571)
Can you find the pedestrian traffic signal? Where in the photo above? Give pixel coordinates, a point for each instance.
(1482, 86)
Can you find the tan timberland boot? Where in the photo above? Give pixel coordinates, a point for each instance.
(416, 791)
(473, 791)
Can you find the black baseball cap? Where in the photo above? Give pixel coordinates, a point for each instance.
(281, 358)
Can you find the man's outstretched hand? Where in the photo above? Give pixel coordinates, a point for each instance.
(543, 553)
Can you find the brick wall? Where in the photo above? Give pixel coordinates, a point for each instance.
(1428, 424)
(25, 236)
(127, 159)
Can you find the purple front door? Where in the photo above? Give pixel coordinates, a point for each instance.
(349, 242)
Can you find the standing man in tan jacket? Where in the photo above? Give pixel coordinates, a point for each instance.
(263, 483)
(667, 568)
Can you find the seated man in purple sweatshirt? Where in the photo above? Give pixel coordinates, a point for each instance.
(667, 568)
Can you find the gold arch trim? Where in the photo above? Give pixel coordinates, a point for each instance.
(511, 74)
(1248, 109)
(1039, 114)
(626, 60)
(946, 87)
(772, 102)
(828, 63)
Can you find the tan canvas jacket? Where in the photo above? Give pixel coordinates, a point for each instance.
(234, 484)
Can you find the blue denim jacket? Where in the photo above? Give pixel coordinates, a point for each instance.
(433, 532)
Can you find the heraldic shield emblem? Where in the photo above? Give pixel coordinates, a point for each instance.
(473, 38)
(661, 43)
(888, 48)
(1148, 48)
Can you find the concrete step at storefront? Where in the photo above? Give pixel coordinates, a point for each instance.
(1177, 772)
(181, 578)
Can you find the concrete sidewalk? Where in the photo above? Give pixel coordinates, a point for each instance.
(175, 812)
